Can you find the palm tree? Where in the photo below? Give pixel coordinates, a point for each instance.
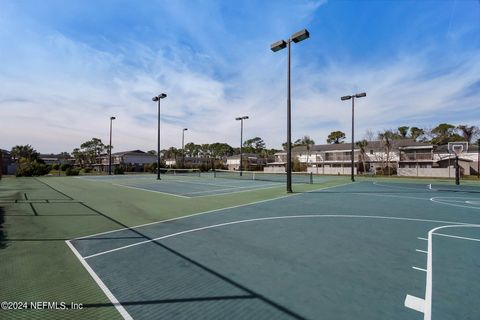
(363, 145)
(386, 138)
(25, 151)
(304, 141)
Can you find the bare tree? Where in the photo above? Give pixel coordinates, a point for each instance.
(468, 132)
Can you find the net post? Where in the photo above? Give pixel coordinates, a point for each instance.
(311, 177)
(214, 173)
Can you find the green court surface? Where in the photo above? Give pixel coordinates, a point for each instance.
(204, 248)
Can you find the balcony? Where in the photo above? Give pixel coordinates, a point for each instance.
(416, 157)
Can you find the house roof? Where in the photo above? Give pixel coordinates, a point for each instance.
(248, 155)
(133, 152)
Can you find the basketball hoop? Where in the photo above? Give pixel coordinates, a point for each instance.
(457, 148)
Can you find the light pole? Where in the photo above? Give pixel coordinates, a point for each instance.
(358, 95)
(157, 99)
(279, 45)
(241, 140)
(183, 147)
(110, 148)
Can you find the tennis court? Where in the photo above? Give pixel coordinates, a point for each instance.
(192, 183)
(373, 249)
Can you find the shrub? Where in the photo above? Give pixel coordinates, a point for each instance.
(119, 170)
(56, 166)
(27, 168)
(72, 171)
(87, 170)
(65, 166)
(298, 166)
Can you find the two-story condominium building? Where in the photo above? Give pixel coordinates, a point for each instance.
(251, 161)
(136, 158)
(337, 159)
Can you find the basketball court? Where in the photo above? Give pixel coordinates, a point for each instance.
(357, 250)
(375, 248)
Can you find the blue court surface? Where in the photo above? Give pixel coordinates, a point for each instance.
(190, 186)
(363, 250)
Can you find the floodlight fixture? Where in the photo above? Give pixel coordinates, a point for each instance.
(358, 95)
(300, 35)
(160, 96)
(157, 99)
(241, 141)
(279, 45)
(183, 147)
(110, 148)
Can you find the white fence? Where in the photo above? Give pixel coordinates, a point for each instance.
(274, 169)
(332, 170)
(427, 172)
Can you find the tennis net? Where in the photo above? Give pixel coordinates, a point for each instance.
(180, 172)
(297, 177)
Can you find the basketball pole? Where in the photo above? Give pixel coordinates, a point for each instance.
(457, 171)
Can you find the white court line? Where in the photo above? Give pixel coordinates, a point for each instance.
(428, 286)
(434, 199)
(388, 195)
(419, 269)
(202, 184)
(263, 219)
(100, 283)
(210, 211)
(239, 191)
(422, 251)
(142, 189)
(230, 188)
(415, 303)
(456, 237)
(420, 238)
(130, 187)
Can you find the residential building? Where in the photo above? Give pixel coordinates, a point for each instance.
(7, 165)
(251, 161)
(56, 159)
(135, 158)
(336, 158)
(189, 162)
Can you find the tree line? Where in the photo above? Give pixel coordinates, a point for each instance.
(439, 135)
(29, 162)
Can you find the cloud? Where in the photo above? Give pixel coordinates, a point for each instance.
(59, 89)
